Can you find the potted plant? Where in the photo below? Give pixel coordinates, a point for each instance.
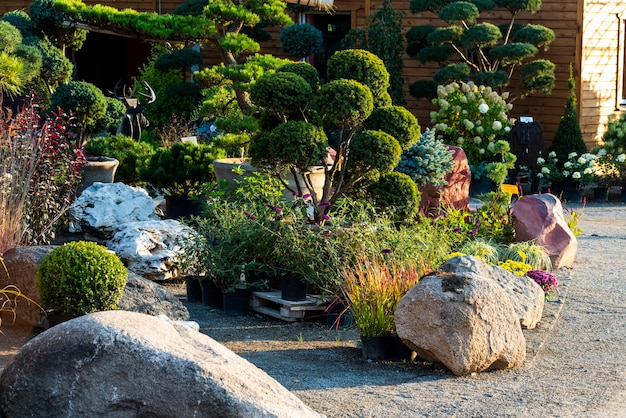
(612, 152)
(181, 170)
(481, 128)
(373, 287)
(133, 156)
(567, 178)
(78, 278)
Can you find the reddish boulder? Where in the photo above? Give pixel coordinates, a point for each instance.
(456, 192)
(540, 217)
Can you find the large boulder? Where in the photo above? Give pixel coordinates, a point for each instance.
(463, 321)
(527, 296)
(456, 192)
(147, 297)
(21, 265)
(124, 364)
(103, 206)
(150, 248)
(539, 217)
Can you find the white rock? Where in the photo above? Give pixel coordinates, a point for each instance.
(150, 248)
(103, 206)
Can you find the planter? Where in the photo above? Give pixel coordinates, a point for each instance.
(237, 302)
(98, 169)
(600, 193)
(194, 289)
(211, 294)
(224, 171)
(293, 288)
(398, 351)
(179, 207)
(338, 315)
(481, 185)
(375, 348)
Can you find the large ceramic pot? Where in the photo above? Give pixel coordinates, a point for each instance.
(98, 169)
(224, 171)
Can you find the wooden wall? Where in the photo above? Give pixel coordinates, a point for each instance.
(599, 57)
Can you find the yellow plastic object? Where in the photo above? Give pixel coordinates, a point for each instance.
(511, 190)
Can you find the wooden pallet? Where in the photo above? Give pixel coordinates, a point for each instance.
(271, 304)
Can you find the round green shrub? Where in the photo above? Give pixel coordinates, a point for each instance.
(81, 277)
(110, 121)
(397, 121)
(281, 92)
(299, 144)
(10, 37)
(397, 195)
(132, 155)
(373, 150)
(304, 70)
(359, 65)
(300, 40)
(615, 135)
(85, 100)
(178, 58)
(428, 161)
(344, 103)
(182, 168)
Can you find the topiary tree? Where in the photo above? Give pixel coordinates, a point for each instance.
(568, 138)
(383, 37)
(80, 277)
(85, 101)
(397, 195)
(470, 48)
(396, 121)
(300, 40)
(50, 23)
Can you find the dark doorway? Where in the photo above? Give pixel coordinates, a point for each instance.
(334, 28)
(106, 59)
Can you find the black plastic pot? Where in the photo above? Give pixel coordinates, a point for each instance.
(236, 302)
(211, 294)
(194, 289)
(293, 288)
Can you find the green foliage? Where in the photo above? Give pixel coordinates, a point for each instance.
(293, 143)
(482, 248)
(21, 20)
(304, 70)
(282, 93)
(397, 121)
(490, 54)
(344, 103)
(383, 37)
(568, 138)
(110, 121)
(528, 252)
(427, 162)
(374, 151)
(10, 37)
(84, 100)
(50, 21)
(177, 59)
(56, 68)
(301, 40)
(362, 66)
(182, 168)
(396, 195)
(81, 277)
(132, 155)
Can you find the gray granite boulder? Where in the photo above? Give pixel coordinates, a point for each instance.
(463, 321)
(125, 364)
(527, 296)
(147, 297)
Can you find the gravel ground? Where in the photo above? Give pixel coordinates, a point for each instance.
(575, 365)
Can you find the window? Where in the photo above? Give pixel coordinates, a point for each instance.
(620, 100)
(334, 28)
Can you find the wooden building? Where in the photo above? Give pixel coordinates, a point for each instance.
(590, 35)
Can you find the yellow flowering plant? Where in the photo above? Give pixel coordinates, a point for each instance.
(474, 118)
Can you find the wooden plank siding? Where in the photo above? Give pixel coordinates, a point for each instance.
(586, 33)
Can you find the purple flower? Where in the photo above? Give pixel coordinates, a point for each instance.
(472, 232)
(326, 217)
(326, 233)
(387, 251)
(457, 230)
(276, 209)
(324, 204)
(306, 196)
(249, 215)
